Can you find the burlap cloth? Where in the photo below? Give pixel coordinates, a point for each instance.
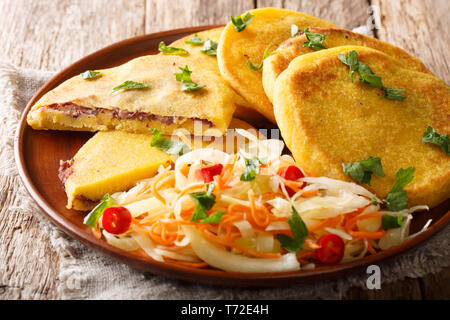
(85, 274)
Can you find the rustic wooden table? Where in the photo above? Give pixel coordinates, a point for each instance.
(50, 34)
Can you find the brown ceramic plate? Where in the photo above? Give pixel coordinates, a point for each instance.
(38, 153)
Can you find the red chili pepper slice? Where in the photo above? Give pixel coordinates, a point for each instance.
(116, 220)
(292, 173)
(331, 249)
(209, 172)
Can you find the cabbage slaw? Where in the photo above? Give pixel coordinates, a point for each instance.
(254, 212)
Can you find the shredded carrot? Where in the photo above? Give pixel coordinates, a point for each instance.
(330, 222)
(310, 193)
(162, 177)
(368, 235)
(191, 264)
(370, 248)
(351, 222)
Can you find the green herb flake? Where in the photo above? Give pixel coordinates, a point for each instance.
(394, 94)
(314, 40)
(362, 170)
(185, 77)
(294, 30)
(129, 85)
(214, 218)
(391, 222)
(299, 233)
(350, 59)
(89, 74)
(203, 203)
(171, 50)
(441, 140)
(173, 147)
(210, 187)
(374, 201)
(195, 40)
(240, 23)
(259, 67)
(367, 76)
(251, 168)
(210, 47)
(92, 217)
(397, 198)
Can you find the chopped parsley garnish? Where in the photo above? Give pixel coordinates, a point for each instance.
(258, 67)
(185, 77)
(314, 40)
(195, 40)
(240, 23)
(173, 147)
(210, 47)
(391, 222)
(128, 85)
(251, 168)
(367, 76)
(171, 50)
(299, 233)
(92, 217)
(294, 30)
(397, 199)
(203, 203)
(362, 170)
(214, 218)
(89, 74)
(394, 94)
(441, 140)
(374, 201)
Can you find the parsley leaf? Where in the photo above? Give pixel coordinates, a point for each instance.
(367, 76)
(362, 170)
(441, 140)
(203, 203)
(89, 74)
(259, 67)
(195, 40)
(251, 169)
(185, 77)
(315, 40)
(240, 23)
(171, 50)
(128, 85)
(214, 218)
(397, 198)
(374, 201)
(210, 47)
(299, 233)
(394, 94)
(294, 30)
(391, 222)
(350, 59)
(92, 217)
(173, 147)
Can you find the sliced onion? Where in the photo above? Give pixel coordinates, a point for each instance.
(147, 205)
(128, 244)
(337, 186)
(175, 255)
(147, 245)
(220, 258)
(393, 237)
(281, 207)
(278, 225)
(340, 233)
(245, 228)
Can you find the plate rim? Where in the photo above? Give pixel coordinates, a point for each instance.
(207, 276)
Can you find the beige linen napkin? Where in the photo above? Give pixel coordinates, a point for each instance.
(86, 274)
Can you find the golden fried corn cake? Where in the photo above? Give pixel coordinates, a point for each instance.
(114, 161)
(268, 28)
(199, 50)
(326, 120)
(109, 162)
(279, 60)
(151, 98)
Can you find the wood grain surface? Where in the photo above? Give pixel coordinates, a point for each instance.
(49, 34)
